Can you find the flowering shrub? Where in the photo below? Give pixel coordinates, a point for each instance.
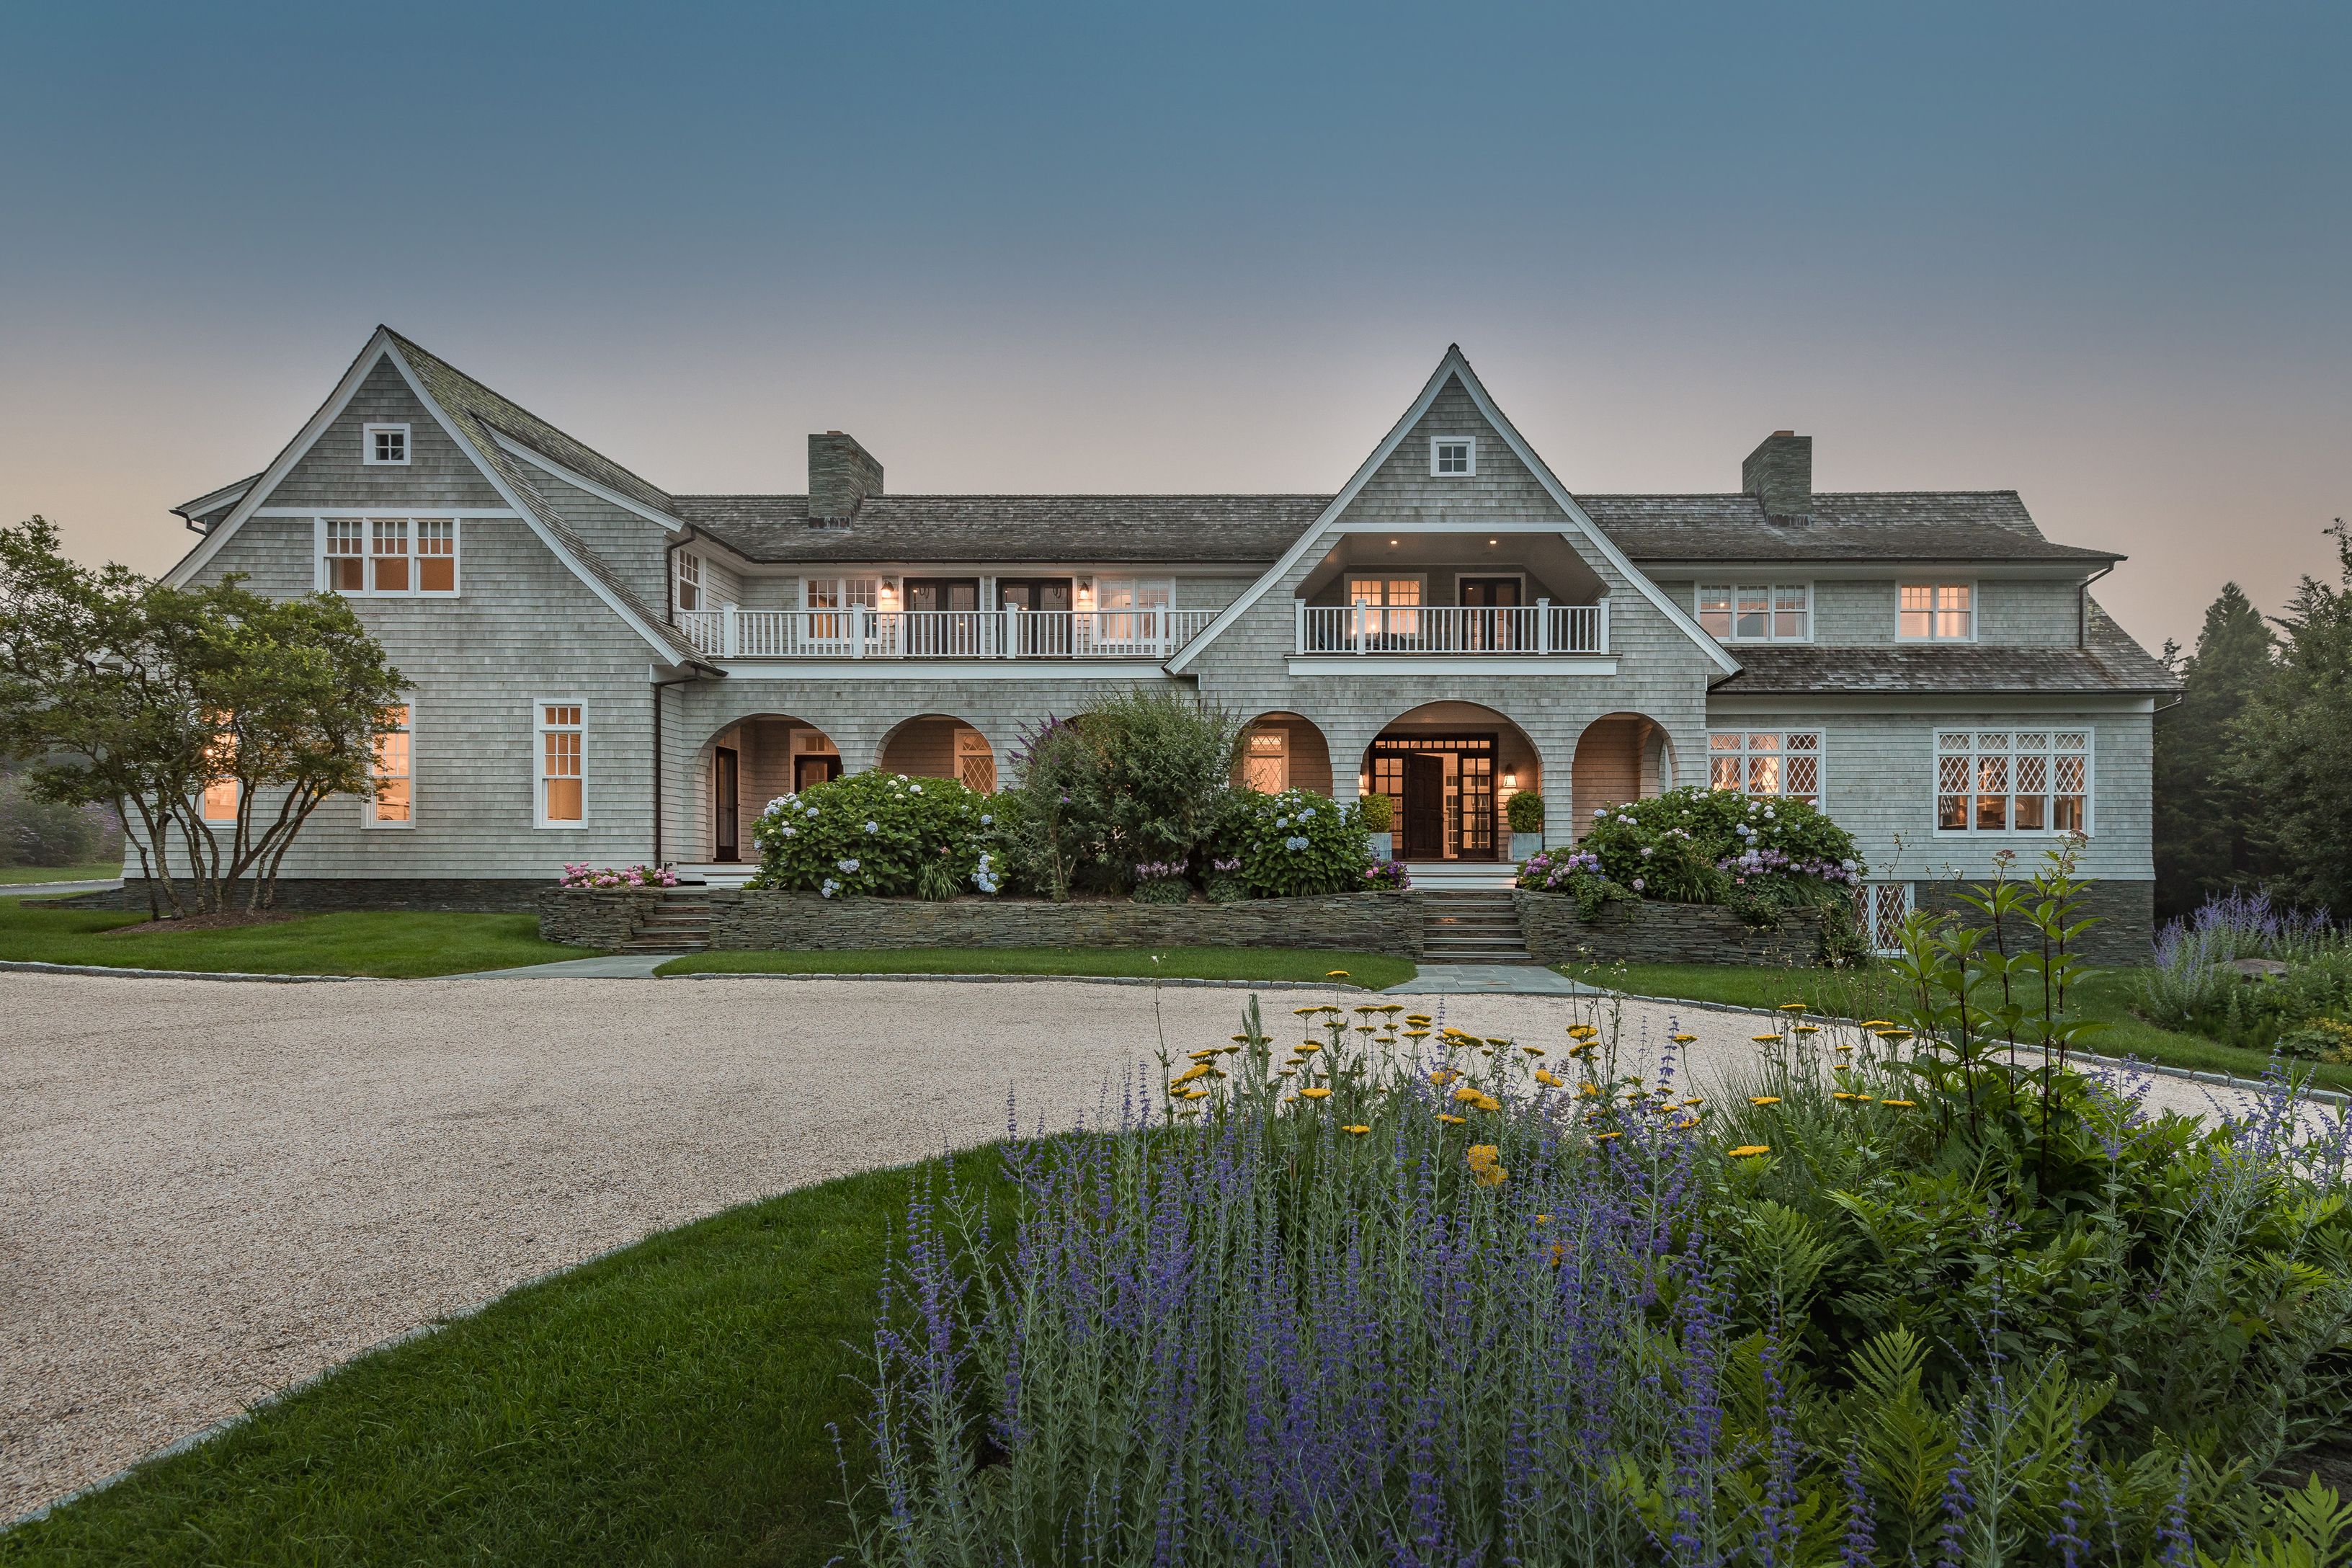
(1716, 847)
(1576, 873)
(1296, 843)
(870, 833)
(585, 876)
(1388, 876)
(1162, 882)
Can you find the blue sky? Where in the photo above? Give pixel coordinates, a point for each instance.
(2096, 253)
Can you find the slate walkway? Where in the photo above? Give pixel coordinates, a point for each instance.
(1491, 980)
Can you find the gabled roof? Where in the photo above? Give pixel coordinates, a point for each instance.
(1243, 529)
(2109, 662)
(1988, 526)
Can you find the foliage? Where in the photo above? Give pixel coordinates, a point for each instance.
(1142, 776)
(1893, 1300)
(1698, 846)
(140, 696)
(37, 831)
(1378, 812)
(587, 875)
(1388, 876)
(869, 833)
(1294, 843)
(1577, 874)
(1524, 812)
(1162, 882)
(2192, 985)
(2203, 819)
(2293, 746)
(2320, 1039)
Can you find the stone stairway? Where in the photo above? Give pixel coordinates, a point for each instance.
(1473, 925)
(681, 923)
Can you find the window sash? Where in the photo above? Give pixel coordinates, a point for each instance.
(388, 557)
(1936, 612)
(1755, 612)
(1767, 764)
(2021, 780)
(689, 581)
(563, 764)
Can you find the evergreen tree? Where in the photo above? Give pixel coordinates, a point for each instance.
(2293, 751)
(2203, 818)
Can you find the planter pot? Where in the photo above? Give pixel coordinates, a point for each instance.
(1383, 845)
(1525, 845)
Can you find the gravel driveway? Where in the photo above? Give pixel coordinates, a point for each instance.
(209, 1190)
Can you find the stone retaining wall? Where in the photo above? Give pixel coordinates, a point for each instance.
(2123, 938)
(1663, 933)
(1388, 923)
(473, 895)
(594, 917)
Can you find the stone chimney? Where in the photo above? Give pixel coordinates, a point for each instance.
(1779, 473)
(841, 473)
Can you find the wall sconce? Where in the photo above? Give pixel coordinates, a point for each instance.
(1086, 593)
(1510, 778)
(887, 595)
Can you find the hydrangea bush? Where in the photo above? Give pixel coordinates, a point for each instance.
(587, 876)
(1712, 847)
(1296, 843)
(1577, 874)
(872, 832)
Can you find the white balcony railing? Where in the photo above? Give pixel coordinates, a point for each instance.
(861, 633)
(1542, 628)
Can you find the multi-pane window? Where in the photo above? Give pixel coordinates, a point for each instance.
(394, 800)
(1879, 909)
(561, 758)
(388, 555)
(1452, 456)
(1265, 766)
(689, 580)
(975, 764)
(384, 444)
(1391, 604)
(1786, 763)
(1757, 612)
(1936, 612)
(221, 793)
(2012, 781)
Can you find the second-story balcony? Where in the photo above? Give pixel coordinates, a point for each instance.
(858, 632)
(1540, 628)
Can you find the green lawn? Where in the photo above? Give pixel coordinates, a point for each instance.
(1867, 992)
(667, 1404)
(1364, 969)
(91, 871)
(386, 944)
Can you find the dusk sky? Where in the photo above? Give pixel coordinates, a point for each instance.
(2095, 253)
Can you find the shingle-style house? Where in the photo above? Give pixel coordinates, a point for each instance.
(608, 671)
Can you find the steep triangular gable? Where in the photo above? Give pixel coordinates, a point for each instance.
(473, 437)
(1454, 367)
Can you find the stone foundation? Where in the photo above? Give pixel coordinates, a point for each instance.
(321, 895)
(2125, 937)
(1663, 933)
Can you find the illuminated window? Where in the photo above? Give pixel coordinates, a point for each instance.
(399, 556)
(1392, 604)
(2013, 781)
(1781, 764)
(975, 764)
(1265, 766)
(562, 775)
(1936, 612)
(394, 801)
(221, 794)
(1755, 612)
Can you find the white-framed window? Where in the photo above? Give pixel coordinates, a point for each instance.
(1453, 456)
(1265, 766)
(389, 557)
(392, 772)
(689, 580)
(840, 593)
(1879, 909)
(1757, 612)
(2013, 781)
(562, 764)
(1936, 612)
(384, 446)
(1392, 604)
(1781, 764)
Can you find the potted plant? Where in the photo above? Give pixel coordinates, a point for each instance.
(1378, 812)
(1526, 813)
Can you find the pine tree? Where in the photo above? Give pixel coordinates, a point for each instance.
(2202, 840)
(2293, 746)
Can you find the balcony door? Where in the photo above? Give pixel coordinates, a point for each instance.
(1489, 624)
(1049, 596)
(931, 635)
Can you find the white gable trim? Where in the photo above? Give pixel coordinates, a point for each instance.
(1454, 364)
(580, 482)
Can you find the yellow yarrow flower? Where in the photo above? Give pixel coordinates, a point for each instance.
(1589, 1090)
(1317, 1093)
(1358, 1131)
(1687, 1123)
(1451, 1120)
(1188, 1074)
(1879, 1023)
(1533, 1050)
(1550, 1080)
(1763, 1099)
(1335, 975)
(1604, 1137)
(1682, 1039)
(1745, 1150)
(1901, 1104)
(1764, 1039)
(1583, 1032)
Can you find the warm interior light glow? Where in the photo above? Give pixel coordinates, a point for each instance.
(1510, 778)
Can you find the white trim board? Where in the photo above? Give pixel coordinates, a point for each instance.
(582, 482)
(1000, 669)
(1970, 705)
(1454, 366)
(385, 508)
(1373, 665)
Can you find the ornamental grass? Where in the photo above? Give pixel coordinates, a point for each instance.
(1449, 1310)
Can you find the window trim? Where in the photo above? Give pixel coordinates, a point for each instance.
(1936, 755)
(1771, 591)
(1281, 753)
(368, 818)
(540, 730)
(1821, 755)
(1470, 456)
(1349, 581)
(414, 525)
(1976, 608)
(368, 458)
(685, 576)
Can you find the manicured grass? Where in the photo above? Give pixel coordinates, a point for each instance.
(1366, 970)
(89, 871)
(1869, 993)
(667, 1404)
(389, 945)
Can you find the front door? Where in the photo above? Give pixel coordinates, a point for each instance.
(1424, 806)
(810, 772)
(723, 766)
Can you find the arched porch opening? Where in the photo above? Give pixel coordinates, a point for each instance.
(1284, 750)
(1450, 768)
(938, 746)
(1619, 757)
(747, 764)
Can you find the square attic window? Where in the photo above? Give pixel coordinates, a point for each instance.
(1452, 456)
(384, 444)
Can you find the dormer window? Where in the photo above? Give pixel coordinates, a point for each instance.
(1453, 456)
(385, 445)
(689, 580)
